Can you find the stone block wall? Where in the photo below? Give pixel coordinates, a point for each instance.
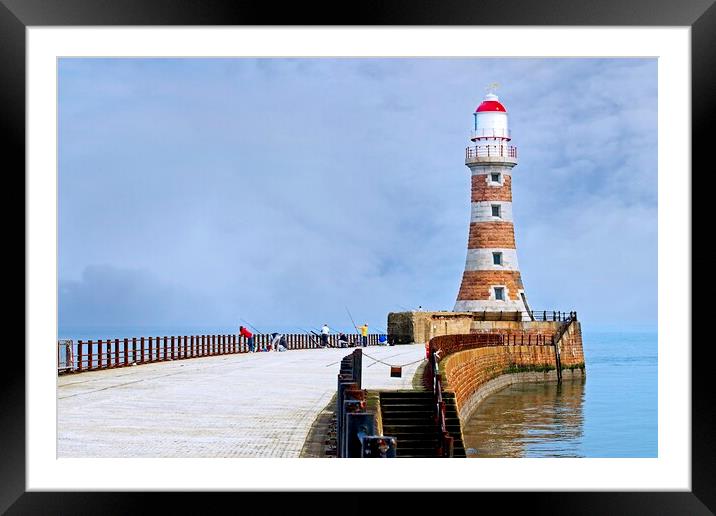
(515, 327)
(420, 327)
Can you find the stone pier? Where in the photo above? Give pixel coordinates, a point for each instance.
(242, 405)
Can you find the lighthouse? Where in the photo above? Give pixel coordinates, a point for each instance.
(491, 281)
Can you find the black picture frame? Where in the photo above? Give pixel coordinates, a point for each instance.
(17, 15)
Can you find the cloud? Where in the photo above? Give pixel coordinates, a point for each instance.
(110, 296)
(284, 190)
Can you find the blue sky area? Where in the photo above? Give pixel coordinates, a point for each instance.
(195, 192)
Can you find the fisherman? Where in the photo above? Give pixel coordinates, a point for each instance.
(364, 334)
(248, 336)
(342, 340)
(325, 330)
(278, 342)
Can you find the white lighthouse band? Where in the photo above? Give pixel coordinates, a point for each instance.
(491, 259)
(488, 170)
(492, 305)
(491, 211)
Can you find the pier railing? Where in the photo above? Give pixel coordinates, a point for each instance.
(445, 345)
(517, 315)
(444, 439)
(552, 315)
(89, 355)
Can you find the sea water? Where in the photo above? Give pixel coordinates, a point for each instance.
(611, 413)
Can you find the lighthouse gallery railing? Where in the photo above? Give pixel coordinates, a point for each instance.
(488, 151)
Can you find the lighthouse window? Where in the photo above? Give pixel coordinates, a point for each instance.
(497, 258)
(496, 210)
(500, 293)
(495, 178)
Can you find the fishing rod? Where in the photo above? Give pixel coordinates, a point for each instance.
(251, 325)
(349, 315)
(311, 335)
(319, 336)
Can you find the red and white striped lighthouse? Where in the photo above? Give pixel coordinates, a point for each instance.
(491, 281)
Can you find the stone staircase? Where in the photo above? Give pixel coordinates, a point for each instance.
(409, 416)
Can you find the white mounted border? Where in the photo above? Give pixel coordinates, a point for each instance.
(670, 471)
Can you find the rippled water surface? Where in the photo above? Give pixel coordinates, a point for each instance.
(612, 413)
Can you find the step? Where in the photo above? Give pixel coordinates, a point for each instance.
(409, 415)
(392, 409)
(417, 449)
(406, 403)
(410, 422)
(420, 424)
(399, 394)
(415, 435)
(392, 412)
(418, 395)
(407, 409)
(409, 429)
(419, 428)
(412, 413)
(407, 394)
(415, 445)
(407, 424)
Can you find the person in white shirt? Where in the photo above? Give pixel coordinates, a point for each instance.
(325, 330)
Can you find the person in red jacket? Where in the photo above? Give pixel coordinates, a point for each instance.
(248, 336)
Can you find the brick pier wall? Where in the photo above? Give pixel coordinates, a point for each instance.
(473, 374)
(572, 352)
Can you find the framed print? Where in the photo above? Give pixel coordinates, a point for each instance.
(222, 199)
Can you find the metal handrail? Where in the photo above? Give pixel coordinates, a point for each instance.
(488, 151)
(445, 441)
(521, 315)
(552, 315)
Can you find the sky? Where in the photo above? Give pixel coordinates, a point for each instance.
(197, 193)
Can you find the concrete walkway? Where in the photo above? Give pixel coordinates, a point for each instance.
(248, 405)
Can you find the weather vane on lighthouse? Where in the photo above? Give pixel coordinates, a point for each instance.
(492, 87)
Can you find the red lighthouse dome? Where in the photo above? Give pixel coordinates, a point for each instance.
(490, 104)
